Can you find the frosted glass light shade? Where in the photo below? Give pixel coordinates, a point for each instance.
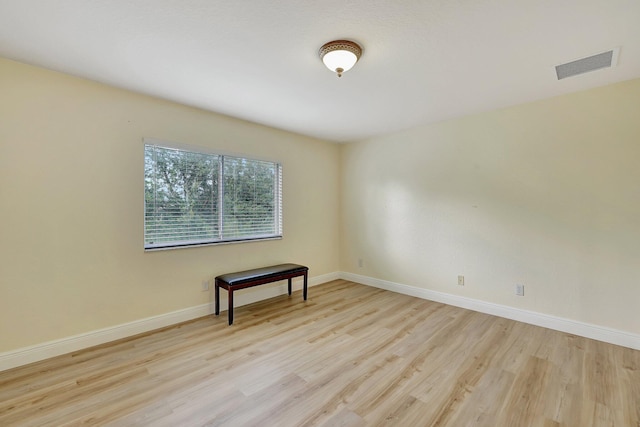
(340, 59)
(340, 55)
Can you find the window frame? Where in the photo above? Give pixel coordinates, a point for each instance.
(222, 155)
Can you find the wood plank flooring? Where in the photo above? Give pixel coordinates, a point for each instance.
(351, 355)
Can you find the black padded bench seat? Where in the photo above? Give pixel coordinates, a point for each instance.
(258, 276)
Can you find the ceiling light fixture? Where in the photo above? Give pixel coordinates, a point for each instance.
(340, 55)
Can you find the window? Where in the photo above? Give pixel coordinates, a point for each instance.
(194, 198)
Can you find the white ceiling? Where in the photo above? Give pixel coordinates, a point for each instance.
(423, 60)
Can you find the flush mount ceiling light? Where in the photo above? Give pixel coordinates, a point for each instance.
(340, 55)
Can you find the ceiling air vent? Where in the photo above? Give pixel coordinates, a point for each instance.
(585, 65)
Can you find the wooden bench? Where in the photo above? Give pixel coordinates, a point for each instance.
(258, 276)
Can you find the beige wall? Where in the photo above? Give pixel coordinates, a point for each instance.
(546, 194)
(71, 212)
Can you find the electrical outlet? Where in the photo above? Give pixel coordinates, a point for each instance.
(205, 285)
(519, 290)
(461, 280)
(360, 263)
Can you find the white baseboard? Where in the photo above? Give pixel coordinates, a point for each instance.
(66, 345)
(612, 336)
(35, 353)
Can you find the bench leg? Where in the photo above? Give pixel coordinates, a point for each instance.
(289, 285)
(217, 292)
(230, 305)
(304, 287)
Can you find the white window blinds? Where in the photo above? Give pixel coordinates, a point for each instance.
(194, 198)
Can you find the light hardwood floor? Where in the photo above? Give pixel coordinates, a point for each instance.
(349, 356)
